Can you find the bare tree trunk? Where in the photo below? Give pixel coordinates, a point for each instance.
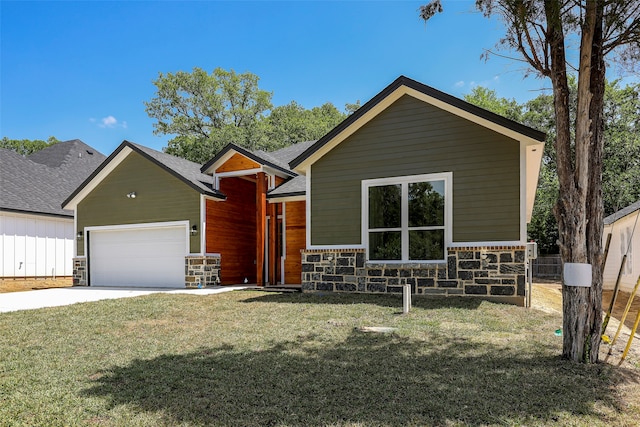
(579, 190)
(594, 196)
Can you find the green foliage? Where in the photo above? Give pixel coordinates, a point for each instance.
(621, 160)
(27, 146)
(489, 100)
(206, 111)
(292, 123)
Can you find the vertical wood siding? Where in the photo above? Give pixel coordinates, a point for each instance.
(409, 138)
(231, 230)
(296, 240)
(160, 197)
(35, 246)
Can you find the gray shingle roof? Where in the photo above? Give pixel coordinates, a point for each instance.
(622, 213)
(289, 153)
(40, 182)
(283, 156)
(296, 186)
(185, 170)
(188, 170)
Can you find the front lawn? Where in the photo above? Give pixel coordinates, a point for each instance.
(258, 359)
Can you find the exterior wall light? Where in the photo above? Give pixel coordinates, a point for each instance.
(194, 230)
(132, 195)
(79, 235)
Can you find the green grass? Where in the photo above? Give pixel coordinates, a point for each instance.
(256, 359)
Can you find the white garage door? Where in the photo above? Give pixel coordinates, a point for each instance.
(149, 257)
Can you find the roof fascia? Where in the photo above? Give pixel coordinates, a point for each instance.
(225, 154)
(89, 184)
(36, 213)
(533, 162)
(231, 149)
(404, 86)
(117, 157)
(298, 196)
(176, 174)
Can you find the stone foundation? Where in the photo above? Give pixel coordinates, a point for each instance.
(201, 271)
(80, 272)
(491, 272)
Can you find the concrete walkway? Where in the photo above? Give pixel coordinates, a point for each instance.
(29, 300)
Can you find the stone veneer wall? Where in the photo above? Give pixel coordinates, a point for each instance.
(495, 271)
(80, 272)
(200, 271)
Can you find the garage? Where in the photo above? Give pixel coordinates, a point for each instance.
(138, 256)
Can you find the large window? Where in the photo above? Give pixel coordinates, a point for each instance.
(405, 219)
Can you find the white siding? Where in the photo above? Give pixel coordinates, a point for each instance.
(622, 232)
(35, 246)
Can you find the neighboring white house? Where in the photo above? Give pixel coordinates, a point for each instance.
(36, 234)
(624, 227)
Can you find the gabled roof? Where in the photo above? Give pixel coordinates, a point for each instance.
(622, 213)
(69, 154)
(296, 186)
(39, 183)
(279, 160)
(276, 159)
(185, 170)
(429, 94)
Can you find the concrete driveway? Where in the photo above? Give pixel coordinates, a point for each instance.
(29, 300)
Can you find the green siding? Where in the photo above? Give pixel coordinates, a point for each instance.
(412, 137)
(160, 197)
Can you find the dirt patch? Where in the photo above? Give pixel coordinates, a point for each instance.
(547, 297)
(20, 285)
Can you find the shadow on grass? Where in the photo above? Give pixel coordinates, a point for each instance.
(366, 378)
(383, 300)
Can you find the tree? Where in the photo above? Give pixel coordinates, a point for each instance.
(207, 111)
(540, 31)
(621, 164)
(292, 123)
(27, 146)
(489, 100)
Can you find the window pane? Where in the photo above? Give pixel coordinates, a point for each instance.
(384, 206)
(426, 204)
(385, 245)
(425, 245)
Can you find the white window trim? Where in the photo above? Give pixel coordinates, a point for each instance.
(447, 177)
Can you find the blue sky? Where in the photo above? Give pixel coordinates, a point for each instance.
(83, 69)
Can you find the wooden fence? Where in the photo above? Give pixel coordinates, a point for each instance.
(547, 267)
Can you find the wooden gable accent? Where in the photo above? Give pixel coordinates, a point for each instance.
(237, 162)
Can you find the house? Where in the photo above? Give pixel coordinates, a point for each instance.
(416, 187)
(36, 235)
(148, 218)
(621, 226)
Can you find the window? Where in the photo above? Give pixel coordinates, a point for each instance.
(405, 219)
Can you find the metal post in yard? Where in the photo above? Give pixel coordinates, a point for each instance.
(406, 298)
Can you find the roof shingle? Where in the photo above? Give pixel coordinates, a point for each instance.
(40, 182)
